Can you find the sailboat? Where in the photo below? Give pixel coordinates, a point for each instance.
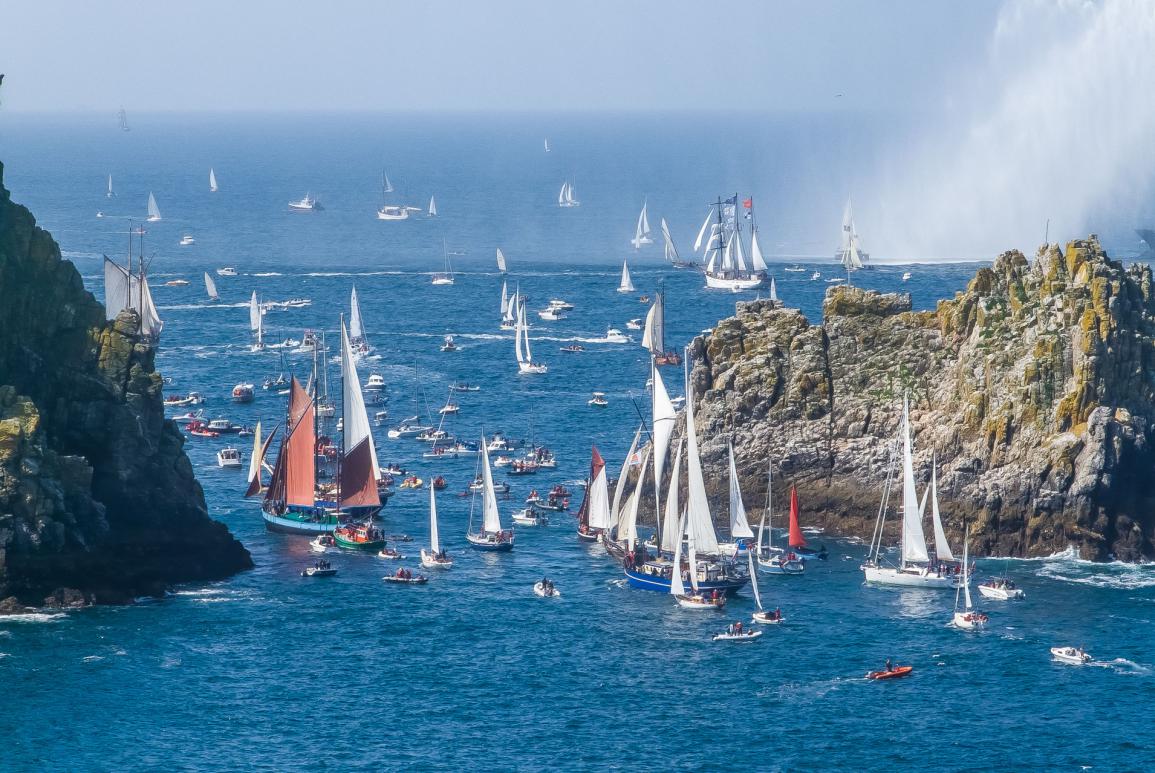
(762, 615)
(257, 460)
(797, 540)
(850, 253)
(740, 530)
(501, 261)
(444, 277)
(432, 207)
(153, 209)
(525, 363)
(492, 537)
(670, 251)
(110, 194)
(594, 514)
(390, 211)
(128, 289)
(435, 557)
(122, 118)
(211, 288)
(290, 504)
(773, 290)
(256, 323)
(627, 284)
(654, 335)
(357, 339)
(546, 145)
(914, 569)
(967, 619)
(642, 231)
(696, 599)
(565, 197)
(212, 180)
(726, 267)
(773, 559)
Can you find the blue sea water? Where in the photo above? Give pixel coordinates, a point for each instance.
(271, 671)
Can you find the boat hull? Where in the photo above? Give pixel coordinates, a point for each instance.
(882, 575)
(368, 545)
(290, 524)
(429, 562)
(1000, 594)
(486, 545)
(644, 581)
(718, 283)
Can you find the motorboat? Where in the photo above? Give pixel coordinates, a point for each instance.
(180, 401)
(243, 393)
(634, 324)
(187, 240)
(200, 429)
(359, 536)
(320, 569)
(188, 417)
(224, 426)
(229, 457)
(794, 269)
(1000, 589)
(498, 443)
(448, 345)
(405, 577)
(307, 204)
(449, 407)
(573, 348)
(393, 212)
(546, 589)
(598, 400)
(615, 336)
(226, 271)
(462, 386)
(375, 382)
(768, 617)
(409, 428)
(439, 483)
(1073, 656)
(433, 435)
(530, 517)
(560, 305)
(390, 554)
(906, 276)
(892, 672)
(552, 315)
(176, 283)
(744, 635)
(321, 543)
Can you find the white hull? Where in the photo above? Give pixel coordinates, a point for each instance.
(739, 637)
(392, 213)
(774, 566)
(701, 603)
(1070, 656)
(911, 578)
(1000, 594)
(967, 621)
(718, 283)
(429, 562)
(764, 618)
(531, 367)
(541, 592)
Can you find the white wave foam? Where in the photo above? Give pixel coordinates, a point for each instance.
(33, 617)
(91, 658)
(269, 273)
(1118, 576)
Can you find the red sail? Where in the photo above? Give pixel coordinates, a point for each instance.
(358, 488)
(796, 538)
(597, 464)
(294, 478)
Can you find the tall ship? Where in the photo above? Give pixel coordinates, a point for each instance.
(850, 253)
(722, 242)
(126, 287)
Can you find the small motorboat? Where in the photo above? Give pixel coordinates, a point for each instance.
(461, 386)
(1001, 589)
(448, 345)
(906, 276)
(795, 269)
(409, 428)
(498, 443)
(224, 426)
(815, 276)
(1072, 656)
(199, 429)
(449, 407)
(320, 569)
(243, 393)
(598, 400)
(498, 488)
(375, 382)
(406, 577)
(439, 483)
(502, 461)
(557, 504)
(229, 457)
(380, 417)
(433, 435)
(551, 314)
(739, 635)
(186, 418)
(615, 336)
(321, 543)
(836, 280)
(180, 401)
(701, 602)
(546, 589)
(390, 553)
(519, 467)
(226, 271)
(176, 283)
(893, 672)
(573, 348)
(634, 324)
(393, 469)
(643, 299)
(412, 482)
(530, 517)
(187, 240)
(768, 617)
(558, 303)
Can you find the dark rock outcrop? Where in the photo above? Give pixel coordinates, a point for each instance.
(1035, 389)
(98, 501)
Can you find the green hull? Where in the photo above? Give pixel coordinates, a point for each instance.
(374, 545)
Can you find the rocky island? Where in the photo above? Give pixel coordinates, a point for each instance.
(1034, 389)
(98, 501)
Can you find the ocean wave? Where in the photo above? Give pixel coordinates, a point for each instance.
(33, 617)
(1124, 666)
(91, 658)
(1116, 575)
(268, 273)
(357, 273)
(197, 306)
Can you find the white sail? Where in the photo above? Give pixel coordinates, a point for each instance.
(847, 226)
(504, 299)
(941, 546)
(671, 252)
(117, 289)
(663, 418)
(212, 180)
(500, 261)
(356, 330)
(356, 429)
(620, 486)
(432, 207)
(727, 254)
(675, 526)
(434, 537)
(627, 284)
(757, 262)
(702, 232)
(525, 333)
(693, 549)
(517, 331)
(150, 323)
(773, 290)
(766, 511)
(654, 335)
(699, 523)
(599, 501)
(645, 219)
(110, 193)
(677, 587)
(546, 141)
(211, 287)
(628, 526)
(491, 521)
(153, 209)
(739, 526)
(913, 540)
(739, 256)
(255, 459)
(386, 186)
(562, 194)
(754, 579)
(642, 231)
(966, 568)
(254, 313)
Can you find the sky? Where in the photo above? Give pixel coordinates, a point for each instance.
(504, 55)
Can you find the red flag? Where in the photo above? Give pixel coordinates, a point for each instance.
(748, 203)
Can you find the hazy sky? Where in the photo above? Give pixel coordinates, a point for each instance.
(476, 54)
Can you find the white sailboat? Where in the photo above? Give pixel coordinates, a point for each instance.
(256, 323)
(642, 231)
(212, 180)
(773, 290)
(967, 618)
(256, 462)
(110, 194)
(444, 277)
(436, 557)
(942, 549)
(663, 417)
(357, 338)
(501, 261)
(432, 207)
(914, 569)
(762, 615)
(153, 209)
(627, 284)
(390, 211)
(492, 537)
(850, 253)
(359, 471)
(525, 363)
(674, 530)
(670, 250)
(565, 197)
(546, 144)
(739, 526)
(509, 309)
(211, 288)
(726, 267)
(125, 289)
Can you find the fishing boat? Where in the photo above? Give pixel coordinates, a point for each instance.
(436, 556)
(850, 253)
(153, 209)
(599, 400)
(211, 288)
(444, 277)
(448, 345)
(319, 569)
(966, 618)
(545, 589)
(525, 363)
(1000, 589)
(893, 672)
(501, 261)
(212, 181)
(566, 197)
(243, 393)
(1073, 656)
(491, 537)
(737, 633)
(307, 204)
(432, 211)
(915, 568)
(359, 536)
(358, 341)
(642, 231)
(724, 252)
(551, 314)
(226, 271)
(670, 251)
(530, 516)
(594, 513)
(229, 458)
(773, 559)
(187, 240)
(761, 615)
(626, 285)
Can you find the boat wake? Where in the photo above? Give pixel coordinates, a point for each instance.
(1123, 666)
(269, 273)
(1116, 575)
(198, 306)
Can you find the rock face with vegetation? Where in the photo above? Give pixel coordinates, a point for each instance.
(98, 501)
(1034, 389)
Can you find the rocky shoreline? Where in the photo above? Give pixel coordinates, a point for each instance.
(1034, 390)
(98, 501)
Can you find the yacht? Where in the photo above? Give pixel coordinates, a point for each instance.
(375, 382)
(615, 336)
(226, 271)
(243, 393)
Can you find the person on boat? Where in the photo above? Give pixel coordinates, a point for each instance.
(889, 666)
(714, 595)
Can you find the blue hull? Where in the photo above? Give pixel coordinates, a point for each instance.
(661, 585)
(295, 526)
(503, 547)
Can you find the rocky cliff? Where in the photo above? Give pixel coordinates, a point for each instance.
(1034, 388)
(98, 501)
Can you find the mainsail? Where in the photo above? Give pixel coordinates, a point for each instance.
(913, 540)
(699, 523)
(358, 480)
(677, 587)
(757, 263)
(434, 538)
(671, 252)
(628, 525)
(501, 262)
(212, 180)
(257, 460)
(739, 526)
(294, 477)
(211, 288)
(797, 538)
(702, 233)
(432, 207)
(654, 336)
(356, 329)
(620, 486)
(664, 417)
(598, 498)
(491, 517)
(941, 547)
(627, 284)
(675, 526)
(153, 209)
(642, 231)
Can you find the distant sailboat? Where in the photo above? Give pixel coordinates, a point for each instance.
(211, 288)
(670, 252)
(966, 618)
(126, 289)
(726, 267)
(642, 231)
(850, 253)
(357, 340)
(122, 117)
(654, 336)
(773, 290)
(153, 209)
(432, 207)
(110, 194)
(594, 515)
(256, 323)
(501, 261)
(525, 363)
(212, 180)
(565, 197)
(390, 211)
(435, 557)
(627, 284)
(547, 145)
(444, 277)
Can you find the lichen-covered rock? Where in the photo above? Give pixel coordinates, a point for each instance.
(98, 501)
(1034, 388)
